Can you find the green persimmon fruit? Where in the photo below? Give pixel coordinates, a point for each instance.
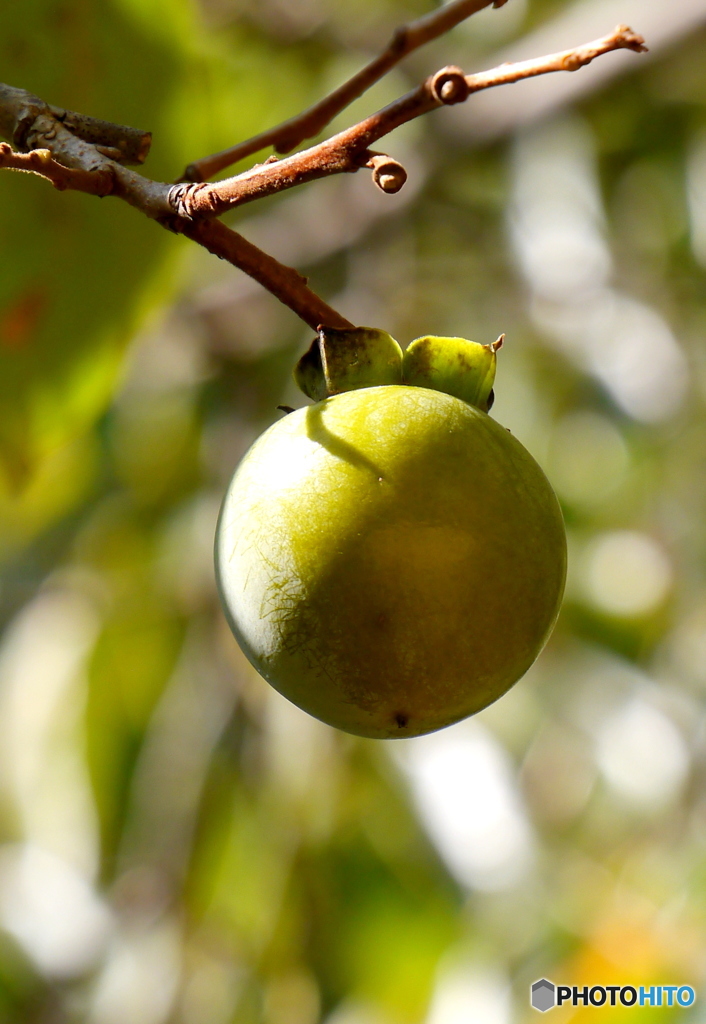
(390, 559)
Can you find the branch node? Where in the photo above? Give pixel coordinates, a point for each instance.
(630, 39)
(388, 174)
(449, 86)
(574, 61)
(398, 43)
(37, 157)
(191, 174)
(189, 200)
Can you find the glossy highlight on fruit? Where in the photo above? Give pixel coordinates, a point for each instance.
(390, 559)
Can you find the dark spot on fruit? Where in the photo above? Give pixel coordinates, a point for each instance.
(401, 720)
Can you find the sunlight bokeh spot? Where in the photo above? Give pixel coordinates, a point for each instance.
(626, 573)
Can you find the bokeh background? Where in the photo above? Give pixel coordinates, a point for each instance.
(178, 844)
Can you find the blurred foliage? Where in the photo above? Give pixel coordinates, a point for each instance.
(178, 844)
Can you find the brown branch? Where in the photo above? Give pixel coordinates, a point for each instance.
(623, 38)
(118, 141)
(286, 283)
(41, 162)
(60, 152)
(108, 176)
(68, 162)
(20, 109)
(289, 134)
(32, 125)
(348, 151)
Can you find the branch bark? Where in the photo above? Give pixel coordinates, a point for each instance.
(74, 152)
(118, 141)
(289, 134)
(349, 150)
(19, 111)
(286, 283)
(42, 163)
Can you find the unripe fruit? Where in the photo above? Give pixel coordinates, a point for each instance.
(390, 559)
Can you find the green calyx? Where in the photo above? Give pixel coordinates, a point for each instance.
(363, 357)
(458, 367)
(337, 361)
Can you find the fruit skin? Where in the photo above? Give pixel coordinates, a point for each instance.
(390, 559)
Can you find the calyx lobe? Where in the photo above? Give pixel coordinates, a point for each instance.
(364, 357)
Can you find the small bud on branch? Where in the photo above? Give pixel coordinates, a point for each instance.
(388, 174)
(449, 86)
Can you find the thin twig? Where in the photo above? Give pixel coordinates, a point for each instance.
(41, 162)
(69, 161)
(349, 150)
(289, 134)
(286, 283)
(623, 38)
